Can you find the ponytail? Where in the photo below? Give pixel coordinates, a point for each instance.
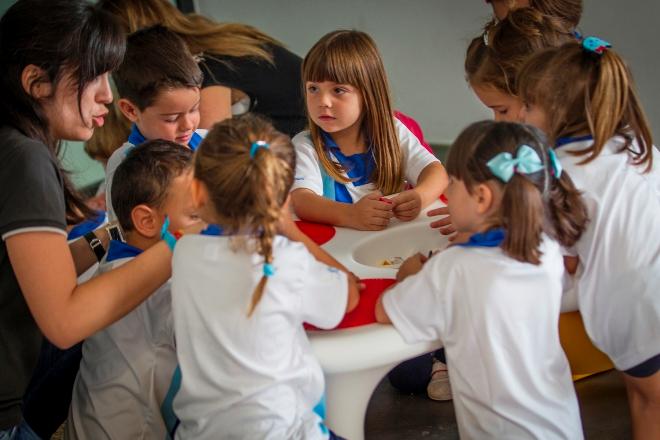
(567, 212)
(522, 217)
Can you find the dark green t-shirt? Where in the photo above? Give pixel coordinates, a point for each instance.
(31, 198)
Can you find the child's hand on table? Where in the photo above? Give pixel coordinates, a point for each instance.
(407, 205)
(372, 212)
(411, 266)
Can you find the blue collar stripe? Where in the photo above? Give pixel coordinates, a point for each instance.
(136, 138)
(358, 166)
(492, 238)
(213, 230)
(569, 140)
(118, 250)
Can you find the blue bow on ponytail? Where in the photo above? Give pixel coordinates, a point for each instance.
(527, 161)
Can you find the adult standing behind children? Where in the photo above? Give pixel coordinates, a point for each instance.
(244, 69)
(54, 86)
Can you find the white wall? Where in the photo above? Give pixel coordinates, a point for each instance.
(423, 45)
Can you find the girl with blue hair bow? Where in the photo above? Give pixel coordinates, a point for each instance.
(494, 301)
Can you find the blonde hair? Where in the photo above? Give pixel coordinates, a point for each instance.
(351, 57)
(568, 11)
(110, 137)
(531, 203)
(581, 91)
(495, 57)
(247, 186)
(202, 35)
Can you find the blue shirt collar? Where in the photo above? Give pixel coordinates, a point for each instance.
(136, 138)
(119, 249)
(359, 167)
(569, 140)
(491, 238)
(213, 230)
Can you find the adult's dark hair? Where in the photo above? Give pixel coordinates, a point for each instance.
(156, 59)
(66, 39)
(145, 176)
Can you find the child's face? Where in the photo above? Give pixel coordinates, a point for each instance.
(62, 110)
(534, 115)
(505, 107)
(463, 207)
(178, 205)
(334, 107)
(173, 116)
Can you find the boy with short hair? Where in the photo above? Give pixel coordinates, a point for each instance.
(159, 87)
(127, 368)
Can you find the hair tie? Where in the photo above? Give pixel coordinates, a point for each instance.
(554, 163)
(255, 146)
(269, 270)
(527, 161)
(595, 45)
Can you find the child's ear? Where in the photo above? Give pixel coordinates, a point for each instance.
(484, 197)
(35, 82)
(130, 110)
(146, 221)
(199, 193)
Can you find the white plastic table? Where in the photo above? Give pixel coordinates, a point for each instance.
(355, 360)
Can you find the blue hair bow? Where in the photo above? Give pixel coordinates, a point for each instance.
(595, 45)
(554, 163)
(527, 161)
(255, 146)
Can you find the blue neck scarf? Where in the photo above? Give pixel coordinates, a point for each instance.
(491, 238)
(569, 140)
(118, 250)
(136, 138)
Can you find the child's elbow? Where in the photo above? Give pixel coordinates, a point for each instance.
(353, 296)
(381, 314)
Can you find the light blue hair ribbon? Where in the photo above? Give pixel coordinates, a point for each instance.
(527, 161)
(554, 163)
(255, 146)
(269, 270)
(595, 45)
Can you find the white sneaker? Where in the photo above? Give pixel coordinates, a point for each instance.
(439, 387)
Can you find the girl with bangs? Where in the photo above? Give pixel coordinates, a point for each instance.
(582, 95)
(355, 152)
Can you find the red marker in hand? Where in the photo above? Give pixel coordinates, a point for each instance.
(383, 199)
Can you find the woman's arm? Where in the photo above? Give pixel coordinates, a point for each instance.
(214, 105)
(67, 313)
(368, 214)
(82, 253)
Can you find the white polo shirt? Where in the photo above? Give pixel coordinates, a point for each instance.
(310, 175)
(126, 369)
(618, 280)
(498, 319)
(250, 377)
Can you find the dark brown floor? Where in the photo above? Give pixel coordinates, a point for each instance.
(394, 416)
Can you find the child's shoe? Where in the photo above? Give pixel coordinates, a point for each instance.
(439, 387)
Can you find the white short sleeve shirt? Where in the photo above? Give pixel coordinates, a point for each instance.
(250, 377)
(497, 318)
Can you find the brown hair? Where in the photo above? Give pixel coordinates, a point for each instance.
(568, 11)
(247, 187)
(531, 203)
(581, 91)
(495, 57)
(201, 34)
(68, 40)
(111, 136)
(156, 60)
(351, 57)
(145, 177)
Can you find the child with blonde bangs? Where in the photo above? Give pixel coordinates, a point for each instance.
(355, 151)
(239, 299)
(603, 139)
(509, 375)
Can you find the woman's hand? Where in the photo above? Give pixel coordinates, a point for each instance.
(407, 205)
(371, 212)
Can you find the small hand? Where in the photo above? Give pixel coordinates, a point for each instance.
(370, 213)
(411, 266)
(407, 205)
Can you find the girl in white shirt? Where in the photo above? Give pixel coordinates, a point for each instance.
(582, 95)
(355, 151)
(494, 301)
(239, 300)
